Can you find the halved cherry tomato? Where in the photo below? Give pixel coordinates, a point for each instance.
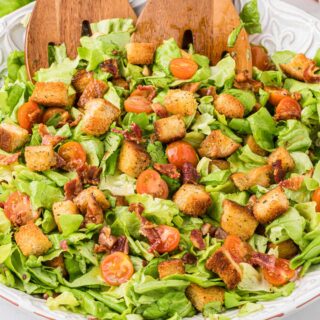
(73, 153)
(183, 68)
(316, 198)
(280, 274)
(29, 114)
(138, 104)
(260, 57)
(180, 152)
(117, 268)
(239, 250)
(170, 238)
(150, 182)
(51, 112)
(276, 94)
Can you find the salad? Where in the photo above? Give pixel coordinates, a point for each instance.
(142, 183)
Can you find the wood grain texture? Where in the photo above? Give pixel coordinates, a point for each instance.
(211, 22)
(60, 21)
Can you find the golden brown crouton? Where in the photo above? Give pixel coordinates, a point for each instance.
(238, 220)
(286, 249)
(140, 53)
(170, 129)
(254, 147)
(271, 205)
(228, 105)
(63, 207)
(81, 79)
(287, 162)
(296, 67)
(82, 199)
(31, 240)
(95, 89)
(99, 115)
(199, 296)
(180, 102)
(12, 137)
(40, 158)
(52, 94)
(225, 267)
(133, 159)
(217, 145)
(192, 199)
(221, 164)
(170, 267)
(260, 176)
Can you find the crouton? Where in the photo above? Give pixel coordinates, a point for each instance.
(63, 207)
(31, 240)
(192, 199)
(57, 262)
(199, 296)
(260, 176)
(287, 162)
(82, 199)
(81, 79)
(94, 90)
(133, 159)
(99, 115)
(237, 220)
(296, 67)
(217, 145)
(140, 53)
(221, 164)
(225, 267)
(40, 158)
(254, 147)
(12, 137)
(170, 267)
(180, 102)
(286, 249)
(52, 94)
(170, 129)
(271, 205)
(228, 105)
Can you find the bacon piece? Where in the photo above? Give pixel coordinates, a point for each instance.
(210, 91)
(106, 241)
(94, 212)
(137, 208)
(89, 174)
(47, 138)
(121, 245)
(310, 73)
(220, 234)
(197, 240)
(111, 66)
(189, 258)
(75, 122)
(169, 170)
(278, 172)
(121, 201)
(189, 173)
(207, 228)
(9, 159)
(263, 260)
(64, 245)
(244, 82)
(60, 162)
(159, 110)
(192, 87)
(134, 134)
(121, 83)
(149, 92)
(72, 188)
(293, 183)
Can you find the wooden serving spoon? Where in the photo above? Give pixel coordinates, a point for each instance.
(62, 21)
(205, 23)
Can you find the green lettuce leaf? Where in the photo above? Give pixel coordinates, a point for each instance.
(251, 17)
(224, 72)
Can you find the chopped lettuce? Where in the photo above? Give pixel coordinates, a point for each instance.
(224, 72)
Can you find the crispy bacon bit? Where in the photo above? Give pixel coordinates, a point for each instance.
(106, 241)
(1, 204)
(134, 134)
(9, 159)
(47, 138)
(244, 82)
(89, 174)
(207, 228)
(263, 260)
(121, 201)
(94, 212)
(159, 110)
(220, 234)
(293, 183)
(197, 240)
(191, 87)
(189, 173)
(137, 208)
(64, 245)
(111, 66)
(148, 92)
(121, 245)
(189, 258)
(121, 83)
(60, 162)
(210, 91)
(278, 172)
(169, 170)
(310, 73)
(75, 122)
(72, 188)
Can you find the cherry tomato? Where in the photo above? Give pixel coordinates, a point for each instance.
(288, 108)
(29, 114)
(138, 104)
(117, 268)
(73, 153)
(280, 274)
(260, 57)
(316, 198)
(276, 94)
(239, 250)
(49, 113)
(150, 182)
(183, 68)
(170, 238)
(180, 152)
(18, 209)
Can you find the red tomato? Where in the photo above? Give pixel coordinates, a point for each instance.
(150, 182)
(316, 198)
(276, 94)
(73, 153)
(49, 113)
(170, 238)
(138, 104)
(280, 274)
(117, 268)
(29, 114)
(183, 68)
(180, 152)
(239, 250)
(260, 57)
